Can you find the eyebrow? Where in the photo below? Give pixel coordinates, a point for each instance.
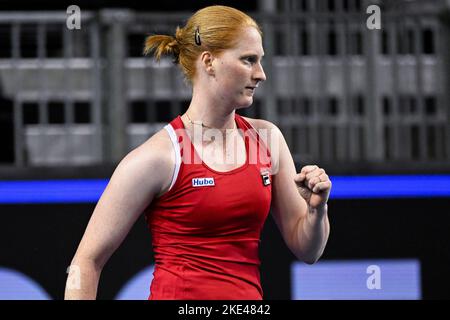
(253, 55)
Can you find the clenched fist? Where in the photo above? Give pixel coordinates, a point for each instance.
(314, 186)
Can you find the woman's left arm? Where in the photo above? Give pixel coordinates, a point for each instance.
(299, 202)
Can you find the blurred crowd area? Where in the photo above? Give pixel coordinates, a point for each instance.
(347, 97)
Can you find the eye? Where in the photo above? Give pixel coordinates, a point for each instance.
(250, 59)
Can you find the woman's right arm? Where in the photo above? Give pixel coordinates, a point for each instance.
(140, 176)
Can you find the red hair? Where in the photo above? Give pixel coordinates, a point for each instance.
(214, 28)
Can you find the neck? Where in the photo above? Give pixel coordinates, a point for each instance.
(211, 113)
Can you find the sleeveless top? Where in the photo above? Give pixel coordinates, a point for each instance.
(206, 227)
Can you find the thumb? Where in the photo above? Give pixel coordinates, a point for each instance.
(300, 177)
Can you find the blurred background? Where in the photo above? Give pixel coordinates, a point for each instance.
(370, 106)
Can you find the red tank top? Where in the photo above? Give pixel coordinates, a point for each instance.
(206, 228)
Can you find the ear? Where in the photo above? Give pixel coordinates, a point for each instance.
(207, 59)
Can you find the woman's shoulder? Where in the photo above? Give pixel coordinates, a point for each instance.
(158, 145)
(271, 135)
(269, 129)
(154, 158)
(260, 123)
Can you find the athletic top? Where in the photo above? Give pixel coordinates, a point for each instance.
(206, 227)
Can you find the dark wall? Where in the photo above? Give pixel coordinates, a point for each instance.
(40, 240)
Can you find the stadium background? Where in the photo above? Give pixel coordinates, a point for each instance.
(375, 102)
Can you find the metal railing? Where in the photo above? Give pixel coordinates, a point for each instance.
(341, 93)
(42, 80)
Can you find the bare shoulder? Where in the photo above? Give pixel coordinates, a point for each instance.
(154, 160)
(261, 123)
(272, 132)
(160, 140)
(156, 148)
(273, 137)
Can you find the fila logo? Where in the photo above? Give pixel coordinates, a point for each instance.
(265, 175)
(202, 182)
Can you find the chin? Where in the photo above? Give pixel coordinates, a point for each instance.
(245, 104)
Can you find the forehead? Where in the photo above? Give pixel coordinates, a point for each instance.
(249, 40)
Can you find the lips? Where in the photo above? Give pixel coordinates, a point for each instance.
(251, 90)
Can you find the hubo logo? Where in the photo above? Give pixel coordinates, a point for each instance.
(202, 182)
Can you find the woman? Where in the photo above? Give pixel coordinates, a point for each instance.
(206, 214)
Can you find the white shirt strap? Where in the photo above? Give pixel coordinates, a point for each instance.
(176, 147)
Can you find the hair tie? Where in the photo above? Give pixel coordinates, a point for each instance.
(197, 37)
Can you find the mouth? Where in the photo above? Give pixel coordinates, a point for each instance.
(251, 88)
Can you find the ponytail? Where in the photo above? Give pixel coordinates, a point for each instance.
(162, 44)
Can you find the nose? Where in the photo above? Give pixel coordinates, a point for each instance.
(259, 74)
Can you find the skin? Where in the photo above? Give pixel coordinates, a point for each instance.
(224, 82)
